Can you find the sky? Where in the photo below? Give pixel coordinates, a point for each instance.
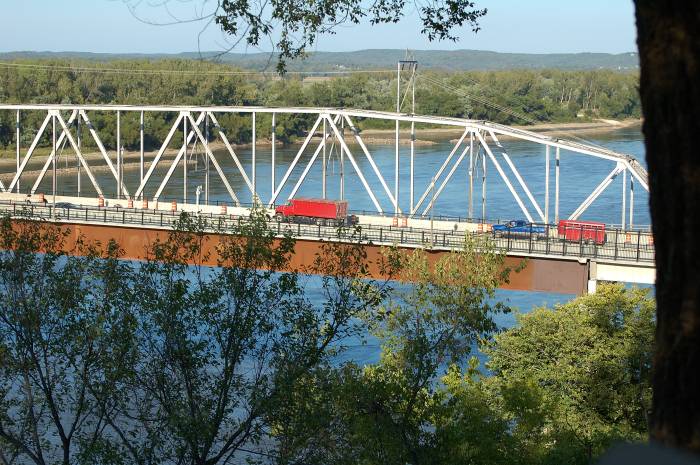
(108, 26)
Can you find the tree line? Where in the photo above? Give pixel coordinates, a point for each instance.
(509, 97)
(109, 361)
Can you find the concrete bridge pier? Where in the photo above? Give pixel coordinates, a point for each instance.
(634, 273)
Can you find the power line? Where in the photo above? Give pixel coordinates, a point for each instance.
(86, 69)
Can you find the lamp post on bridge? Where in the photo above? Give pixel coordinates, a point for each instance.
(197, 193)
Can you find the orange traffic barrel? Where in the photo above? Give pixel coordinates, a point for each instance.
(173, 206)
(130, 203)
(144, 203)
(222, 209)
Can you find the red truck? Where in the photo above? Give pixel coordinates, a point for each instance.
(586, 231)
(319, 211)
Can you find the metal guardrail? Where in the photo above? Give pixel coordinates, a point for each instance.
(436, 217)
(622, 246)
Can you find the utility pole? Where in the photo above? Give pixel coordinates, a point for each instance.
(432, 199)
(410, 65)
(18, 141)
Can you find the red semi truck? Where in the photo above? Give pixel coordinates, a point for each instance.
(319, 211)
(586, 231)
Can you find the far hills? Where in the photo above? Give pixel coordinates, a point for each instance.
(448, 60)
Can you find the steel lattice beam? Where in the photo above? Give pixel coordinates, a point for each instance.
(364, 162)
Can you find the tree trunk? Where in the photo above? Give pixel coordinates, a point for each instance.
(668, 36)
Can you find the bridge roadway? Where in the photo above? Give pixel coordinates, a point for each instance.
(552, 265)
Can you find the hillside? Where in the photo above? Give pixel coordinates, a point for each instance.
(457, 60)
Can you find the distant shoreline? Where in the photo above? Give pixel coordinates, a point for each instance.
(600, 126)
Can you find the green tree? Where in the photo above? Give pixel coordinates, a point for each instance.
(220, 349)
(61, 320)
(577, 378)
(386, 412)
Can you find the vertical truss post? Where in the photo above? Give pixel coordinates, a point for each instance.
(546, 184)
(18, 140)
(184, 159)
(396, 170)
(141, 129)
(121, 171)
(556, 187)
(413, 142)
(77, 159)
(206, 160)
(323, 164)
(253, 174)
(483, 187)
(470, 211)
(53, 161)
(624, 197)
(396, 153)
(272, 173)
(119, 145)
(341, 140)
(631, 202)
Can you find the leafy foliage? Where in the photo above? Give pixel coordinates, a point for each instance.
(173, 361)
(386, 413)
(542, 96)
(578, 378)
(561, 387)
(62, 320)
(297, 24)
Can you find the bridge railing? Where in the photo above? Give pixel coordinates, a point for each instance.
(628, 246)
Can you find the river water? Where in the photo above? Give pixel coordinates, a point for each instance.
(580, 174)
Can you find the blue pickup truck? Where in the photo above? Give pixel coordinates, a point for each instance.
(519, 228)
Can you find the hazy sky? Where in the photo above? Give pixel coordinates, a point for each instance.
(533, 26)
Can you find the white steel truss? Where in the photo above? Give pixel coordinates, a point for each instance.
(329, 122)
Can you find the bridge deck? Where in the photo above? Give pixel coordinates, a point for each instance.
(622, 248)
(553, 265)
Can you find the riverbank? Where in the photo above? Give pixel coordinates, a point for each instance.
(426, 136)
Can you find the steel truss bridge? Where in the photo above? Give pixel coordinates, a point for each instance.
(479, 145)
